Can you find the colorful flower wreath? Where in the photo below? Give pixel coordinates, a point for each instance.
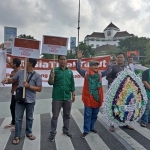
(126, 99)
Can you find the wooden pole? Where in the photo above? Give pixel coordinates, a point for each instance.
(25, 70)
(54, 63)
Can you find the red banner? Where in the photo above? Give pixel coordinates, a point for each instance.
(47, 64)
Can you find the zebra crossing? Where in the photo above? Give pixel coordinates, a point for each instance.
(122, 139)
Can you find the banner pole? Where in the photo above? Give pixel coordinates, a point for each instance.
(54, 63)
(25, 70)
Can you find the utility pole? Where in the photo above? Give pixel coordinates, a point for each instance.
(78, 24)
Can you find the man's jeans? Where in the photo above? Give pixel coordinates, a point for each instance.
(19, 112)
(146, 115)
(90, 117)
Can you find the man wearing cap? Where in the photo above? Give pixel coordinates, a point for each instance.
(92, 93)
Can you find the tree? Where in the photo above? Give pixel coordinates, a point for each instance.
(147, 52)
(70, 55)
(88, 51)
(25, 36)
(134, 43)
(48, 56)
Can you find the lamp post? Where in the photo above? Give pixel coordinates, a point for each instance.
(78, 24)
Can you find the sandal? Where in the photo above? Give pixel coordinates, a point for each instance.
(143, 124)
(8, 126)
(16, 140)
(128, 127)
(111, 129)
(31, 136)
(12, 129)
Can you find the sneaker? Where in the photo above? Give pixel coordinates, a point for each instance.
(67, 134)
(51, 137)
(94, 131)
(84, 135)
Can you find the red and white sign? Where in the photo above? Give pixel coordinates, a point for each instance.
(8, 44)
(44, 66)
(26, 48)
(54, 45)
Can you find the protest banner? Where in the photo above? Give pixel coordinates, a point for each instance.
(54, 45)
(3, 65)
(44, 66)
(8, 44)
(26, 48)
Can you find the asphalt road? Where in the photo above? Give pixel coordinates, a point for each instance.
(122, 139)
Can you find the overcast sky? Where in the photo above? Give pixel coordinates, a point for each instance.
(59, 17)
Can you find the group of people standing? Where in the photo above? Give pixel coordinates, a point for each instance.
(63, 94)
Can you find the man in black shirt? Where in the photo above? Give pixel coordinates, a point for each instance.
(112, 75)
(146, 82)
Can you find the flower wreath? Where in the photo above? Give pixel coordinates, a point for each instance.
(126, 99)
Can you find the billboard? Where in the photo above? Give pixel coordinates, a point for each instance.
(72, 42)
(9, 33)
(133, 53)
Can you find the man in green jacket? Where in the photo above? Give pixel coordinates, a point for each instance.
(63, 95)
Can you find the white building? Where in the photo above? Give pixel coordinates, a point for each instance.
(111, 36)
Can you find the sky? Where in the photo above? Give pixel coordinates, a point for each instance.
(60, 17)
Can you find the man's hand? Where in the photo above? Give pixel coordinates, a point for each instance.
(73, 98)
(25, 84)
(52, 75)
(79, 54)
(2, 46)
(4, 81)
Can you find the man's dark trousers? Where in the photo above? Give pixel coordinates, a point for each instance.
(56, 107)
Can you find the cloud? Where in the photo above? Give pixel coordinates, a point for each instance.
(59, 17)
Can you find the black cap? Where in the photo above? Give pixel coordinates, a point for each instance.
(93, 63)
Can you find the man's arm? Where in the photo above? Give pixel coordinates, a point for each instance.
(109, 77)
(37, 88)
(7, 81)
(146, 85)
(31, 87)
(109, 69)
(145, 76)
(51, 78)
(73, 88)
(78, 68)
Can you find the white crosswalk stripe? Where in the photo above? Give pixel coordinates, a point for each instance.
(144, 131)
(4, 133)
(62, 142)
(93, 141)
(36, 129)
(125, 136)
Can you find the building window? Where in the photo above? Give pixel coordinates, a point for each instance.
(92, 39)
(97, 45)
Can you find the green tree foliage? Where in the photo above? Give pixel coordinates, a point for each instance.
(70, 55)
(134, 43)
(88, 51)
(48, 56)
(25, 36)
(147, 52)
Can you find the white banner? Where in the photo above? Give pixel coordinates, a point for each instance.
(54, 45)
(79, 80)
(3, 65)
(26, 48)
